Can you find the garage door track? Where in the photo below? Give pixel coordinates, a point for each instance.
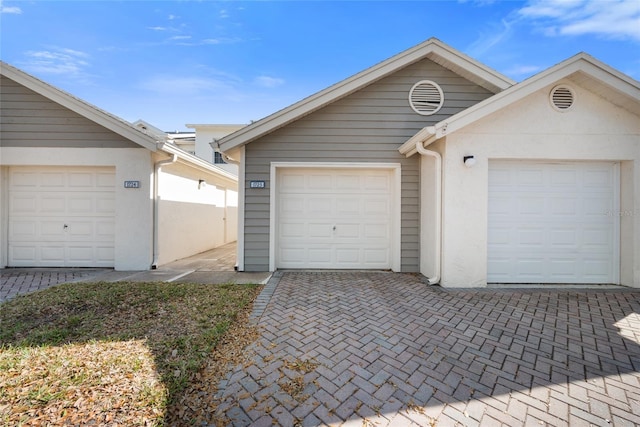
(382, 349)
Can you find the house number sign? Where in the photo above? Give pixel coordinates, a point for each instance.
(132, 184)
(256, 184)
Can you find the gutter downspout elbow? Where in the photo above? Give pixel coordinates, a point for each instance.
(438, 158)
(156, 206)
(224, 156)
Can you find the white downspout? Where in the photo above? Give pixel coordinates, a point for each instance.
(156, 206)
(423, 151)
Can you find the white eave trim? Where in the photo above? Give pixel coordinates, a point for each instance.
(433, 49)
(89, 111)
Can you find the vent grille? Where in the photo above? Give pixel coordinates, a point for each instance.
(562, 98)
(426, 97)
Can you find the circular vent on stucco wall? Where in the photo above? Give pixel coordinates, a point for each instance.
(426, 97)
(562, 98)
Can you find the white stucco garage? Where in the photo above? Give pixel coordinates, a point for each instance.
(553, 195)
(80, 187)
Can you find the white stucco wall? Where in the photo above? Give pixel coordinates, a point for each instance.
(133, 227)
(192, 217)
(593, 129)
(205, 134)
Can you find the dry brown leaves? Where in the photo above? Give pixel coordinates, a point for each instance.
(133, 354)
(81, 384)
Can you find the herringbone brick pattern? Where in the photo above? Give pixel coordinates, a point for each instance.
(383, 349)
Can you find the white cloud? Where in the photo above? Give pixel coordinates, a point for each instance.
(180, 38)
(184, 85)
(268, 82)
(486, 41)
(57, 60)
(14, 10)
(618, 19)
(157, 28)
(221, 40)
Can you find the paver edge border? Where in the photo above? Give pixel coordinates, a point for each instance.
(262, 300)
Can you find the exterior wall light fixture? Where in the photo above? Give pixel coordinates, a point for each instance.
(469, 161)
(201, 184)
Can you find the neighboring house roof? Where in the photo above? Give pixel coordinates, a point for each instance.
(146, 138)
(432, 49)
(581, 69)
(79, 106)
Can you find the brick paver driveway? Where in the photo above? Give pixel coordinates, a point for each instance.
(379, 349)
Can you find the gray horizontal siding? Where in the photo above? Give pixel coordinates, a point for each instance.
(28, 119)
(366, 126)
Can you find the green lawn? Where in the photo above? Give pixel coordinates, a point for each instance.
(119, 353)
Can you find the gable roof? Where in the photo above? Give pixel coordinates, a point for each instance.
(432, 49)
(79, 106)
(581, 69)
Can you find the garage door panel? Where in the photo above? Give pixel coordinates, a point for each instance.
(563, 206)
(59, 217)
(347, 206)
(549, 224)
(105, 230)
(343, 182)
(20, 204)
(566, 268)
(532, 238)
(319, 205)
(319, 231)
(52, 229)
(52, 204)
(337, 219)
(81, 181)
(318, 256)
(563, 178)
(53, 180)
(80, 206)
(52, 254)
(563, 239)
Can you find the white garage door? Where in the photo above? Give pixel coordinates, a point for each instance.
(334, 218)
(61, 217)
(553, 222)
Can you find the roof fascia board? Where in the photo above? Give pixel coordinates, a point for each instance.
(352, 84)
(495, 81)
(79, 106)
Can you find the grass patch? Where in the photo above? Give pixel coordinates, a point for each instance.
(116, 353)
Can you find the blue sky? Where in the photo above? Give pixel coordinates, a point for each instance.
(177, 62)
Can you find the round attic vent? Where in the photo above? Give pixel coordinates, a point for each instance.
(426, 97)
(562, 98)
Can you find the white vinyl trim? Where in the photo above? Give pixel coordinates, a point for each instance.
(397, 176)
(241, 205)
